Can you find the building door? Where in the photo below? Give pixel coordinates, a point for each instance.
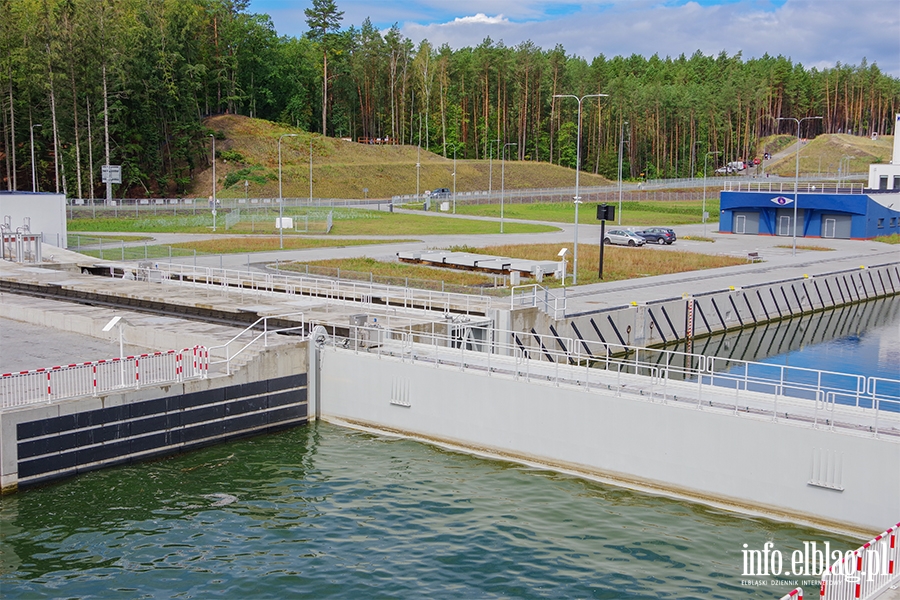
(740, 224)
(784, 225)
(828, 228)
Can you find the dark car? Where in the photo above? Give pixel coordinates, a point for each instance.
(441, 193)
(658, 235)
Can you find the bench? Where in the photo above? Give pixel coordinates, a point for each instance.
(753, 257)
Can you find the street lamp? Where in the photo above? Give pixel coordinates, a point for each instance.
(418, 167)
(280, 196)
(621, 143)
(796, 173)
(703, 210)
(213, 136)
(503, 178)
(33, 168)
(491, 166)
(848, 158)
(454, 181)
(577, 198)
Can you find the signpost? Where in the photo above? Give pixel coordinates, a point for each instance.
(604, 213)
(110, 174)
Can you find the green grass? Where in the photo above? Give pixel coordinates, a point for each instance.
(894, 238)
(83, 240)
(812, 248)
(346, 222)
(648, 213)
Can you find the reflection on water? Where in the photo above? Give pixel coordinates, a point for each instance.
(322, 511)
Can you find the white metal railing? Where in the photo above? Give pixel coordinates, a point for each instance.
(787, 186)
(328, 289)
(260, 329)
(102, 376)
(537, 295)
(865, 572)
(820, 399)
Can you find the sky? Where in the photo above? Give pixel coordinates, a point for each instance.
(814, 33)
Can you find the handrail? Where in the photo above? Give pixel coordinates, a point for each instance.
(330, 289)
(263, 334)
(867, 571)
(102, 376)
(794, 594)
(552, 304)
(774, 392)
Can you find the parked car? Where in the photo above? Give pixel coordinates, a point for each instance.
(441, 193)
(659, 235)
(653, 237)
(623, 237)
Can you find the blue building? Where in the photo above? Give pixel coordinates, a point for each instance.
(860, 215)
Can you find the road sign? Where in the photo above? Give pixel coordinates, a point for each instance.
(111, 173)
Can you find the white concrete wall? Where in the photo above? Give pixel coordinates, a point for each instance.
(707, 456)
(47, 213)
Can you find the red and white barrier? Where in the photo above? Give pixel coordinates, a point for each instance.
(98, 377)
(867, 571)
(795, 594)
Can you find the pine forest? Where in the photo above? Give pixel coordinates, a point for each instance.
(85, 83)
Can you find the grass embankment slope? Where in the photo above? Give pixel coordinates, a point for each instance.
(342, 169)
(824, 153)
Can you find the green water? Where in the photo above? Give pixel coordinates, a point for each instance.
(322, 511)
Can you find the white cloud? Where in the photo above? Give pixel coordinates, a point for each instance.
(481, 18)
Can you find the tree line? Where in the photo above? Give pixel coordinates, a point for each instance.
(90, 82)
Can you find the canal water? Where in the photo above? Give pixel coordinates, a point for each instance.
(322, 511)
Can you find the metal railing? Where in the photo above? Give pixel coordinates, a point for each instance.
(102, 376)
(260, 329)
(537, 295)
(815, 398)
(787, 187)
(794, 594)
(328, 289)
(867, 571)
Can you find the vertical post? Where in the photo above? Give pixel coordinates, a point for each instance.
(280, 195)
(213, 136)
(454, 181)
(621, 143)
(602, 235)
(503, 178)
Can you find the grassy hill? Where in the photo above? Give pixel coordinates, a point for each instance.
(824, 153)
(248, 150)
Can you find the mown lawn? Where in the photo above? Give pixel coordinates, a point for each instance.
(346, 221)
(648, 213)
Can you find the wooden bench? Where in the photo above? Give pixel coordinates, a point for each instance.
(753, 257)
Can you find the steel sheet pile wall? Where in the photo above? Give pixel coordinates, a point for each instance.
(673, 319)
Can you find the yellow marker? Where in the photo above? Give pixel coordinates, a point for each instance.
(633, 303)
(731, 287)
(805, 276)
(862, 266)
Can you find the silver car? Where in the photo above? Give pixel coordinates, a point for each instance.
(623, 237)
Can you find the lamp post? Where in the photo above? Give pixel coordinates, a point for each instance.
(577, 198)
(491, 166)
(213, 136)
(694, 145)
(848, 158)
(310, 172)
(796, 174)
(418, 168)
(621, 143)
(703, 210)
(503, 178)
(454, 181)
(280, 195)
(33, 168)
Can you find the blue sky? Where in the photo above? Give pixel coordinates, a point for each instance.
(816, 33)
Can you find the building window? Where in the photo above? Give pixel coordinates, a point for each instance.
(882, 182)
(881, 223)
(897, 182)
(893, 222)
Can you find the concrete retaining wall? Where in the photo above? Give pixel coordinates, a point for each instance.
(43, 442)
(667, 320)
(704, 455)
